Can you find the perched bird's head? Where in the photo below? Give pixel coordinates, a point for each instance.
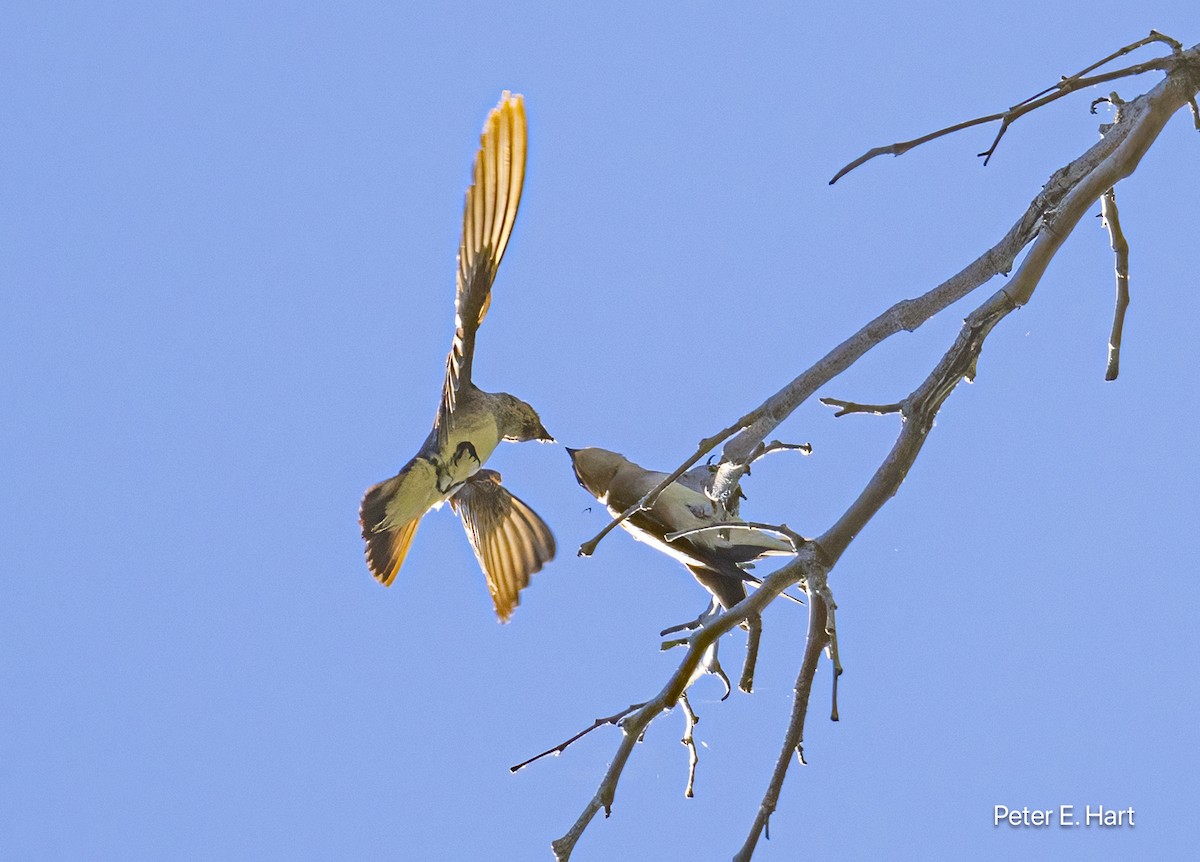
(595, 469)
(519, 422)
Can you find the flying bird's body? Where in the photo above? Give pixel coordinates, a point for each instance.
(510, 541)
(714, 555)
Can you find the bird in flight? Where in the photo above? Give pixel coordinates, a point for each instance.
(510, 541)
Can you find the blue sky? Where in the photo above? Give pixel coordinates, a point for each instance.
(228, 239)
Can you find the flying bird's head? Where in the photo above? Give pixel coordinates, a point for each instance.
(595, 469)
(519, 422)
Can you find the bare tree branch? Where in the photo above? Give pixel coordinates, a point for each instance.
(921, 408)
(847, 407)
(1120, 247)
(1142, 118)
(1148, 114)
(689, 724)
(793, 740)
(1050, 218)
(754, 622)
(636, 723)
(615, 718)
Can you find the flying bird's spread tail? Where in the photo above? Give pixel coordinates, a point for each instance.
(386, 546)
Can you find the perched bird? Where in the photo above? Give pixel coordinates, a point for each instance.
(510, 541)
(714, 556)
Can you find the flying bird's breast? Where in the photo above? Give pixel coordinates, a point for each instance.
(472, 438)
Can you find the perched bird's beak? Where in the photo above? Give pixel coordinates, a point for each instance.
(575, 468)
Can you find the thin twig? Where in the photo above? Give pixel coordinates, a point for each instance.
(689, 723)
(765, 449)
(1155, 36)
(1064, 87)
(1120, 247)
(846, 407)
(754, 622)
(682, 627)
(831, 645)
(562, 746)
(1077, 82)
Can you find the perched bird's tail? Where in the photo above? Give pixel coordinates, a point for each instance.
(724, 580)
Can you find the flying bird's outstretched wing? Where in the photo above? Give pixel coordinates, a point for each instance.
(488, 217)
(510, 541)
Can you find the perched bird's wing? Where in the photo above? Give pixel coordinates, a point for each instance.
(510, 541)
(714, 566)
(747, 544)
(390, 513)
(488, 217)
